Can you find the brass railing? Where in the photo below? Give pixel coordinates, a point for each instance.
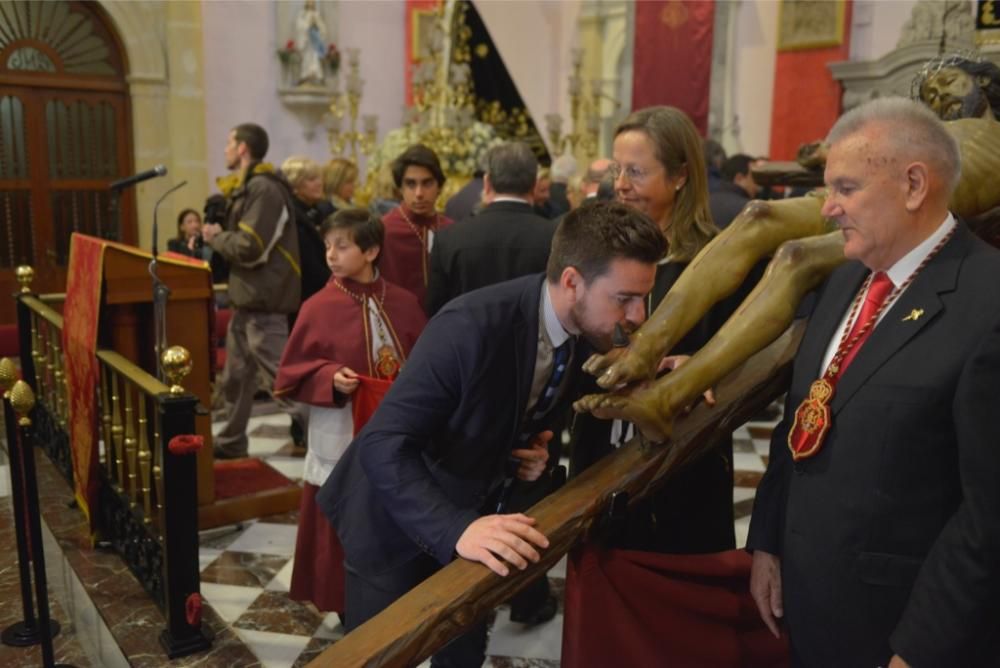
(144, 506)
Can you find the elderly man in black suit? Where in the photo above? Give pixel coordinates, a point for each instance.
(505, 240)
(876, 529)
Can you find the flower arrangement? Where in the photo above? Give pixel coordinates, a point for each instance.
(289, 54)
(463, 159)
(458, 158)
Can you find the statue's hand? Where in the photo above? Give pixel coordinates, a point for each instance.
(812, 155)
(641, 407)
(620, 366)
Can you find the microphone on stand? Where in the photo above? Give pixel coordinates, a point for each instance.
(156, 207)
(161, 293)
(120, 184)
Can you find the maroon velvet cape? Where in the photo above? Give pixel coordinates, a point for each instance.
(330, 333)
(405, 256)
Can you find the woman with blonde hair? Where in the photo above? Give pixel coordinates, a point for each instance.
(340, 178)
(305, 176)
(385, 196)
(659, 168)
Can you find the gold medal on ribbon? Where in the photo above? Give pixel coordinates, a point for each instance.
(387, 365)
(812, 421)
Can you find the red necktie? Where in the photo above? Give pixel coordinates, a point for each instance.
(879, 290)
(812, 417)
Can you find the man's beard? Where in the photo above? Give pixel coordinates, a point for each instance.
(973, 105)
(599, 341)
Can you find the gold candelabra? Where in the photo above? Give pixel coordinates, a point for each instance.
(585, 115)
(358, 141)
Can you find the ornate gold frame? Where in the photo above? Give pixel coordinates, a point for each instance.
(418, 18)
(829, 35)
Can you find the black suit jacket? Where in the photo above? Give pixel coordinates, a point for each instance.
(463, 204)
(725, 201)
(420, 470)
(505, 240)
(889, 537)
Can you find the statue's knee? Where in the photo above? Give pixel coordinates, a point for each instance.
(754, 212)
(791, 256)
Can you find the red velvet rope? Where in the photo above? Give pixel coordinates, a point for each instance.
(192, 609)
(185, 444)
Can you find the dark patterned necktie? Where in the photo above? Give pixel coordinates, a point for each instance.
(535, 416)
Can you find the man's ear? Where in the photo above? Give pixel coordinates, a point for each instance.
(372, 252)
(917, 185)
(571, 282)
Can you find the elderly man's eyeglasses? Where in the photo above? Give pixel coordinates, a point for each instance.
(632, 173)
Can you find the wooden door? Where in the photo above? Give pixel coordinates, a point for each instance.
(65, 134)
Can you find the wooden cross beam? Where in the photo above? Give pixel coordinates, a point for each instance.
(463, 592)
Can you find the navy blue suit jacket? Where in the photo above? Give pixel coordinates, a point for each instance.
(420, 470)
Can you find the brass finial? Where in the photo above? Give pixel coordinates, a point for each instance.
(23, 400)
(25, 275)
(8, 374)
(176, 363)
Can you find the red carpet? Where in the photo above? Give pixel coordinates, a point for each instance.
(239, 477)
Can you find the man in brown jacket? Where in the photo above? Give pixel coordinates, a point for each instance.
(261, 245)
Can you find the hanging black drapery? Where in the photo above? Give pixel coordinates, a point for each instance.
(499, 102)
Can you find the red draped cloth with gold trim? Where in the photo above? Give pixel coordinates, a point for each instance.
(630, 608)
(672, 60)
(81, 316)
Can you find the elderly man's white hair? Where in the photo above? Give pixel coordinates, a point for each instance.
(912, 130)
(563, 167)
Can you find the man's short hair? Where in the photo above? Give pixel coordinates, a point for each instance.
(563, 168)
(736, 165)
(420, 156)
(597, 175)
(512, 167)
(715, 155)
(595, 233)
(915, 133)
(365, 228)
(606, 188)
(299, 168)
(255, 137)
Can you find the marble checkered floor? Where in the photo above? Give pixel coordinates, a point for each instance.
(246, 569)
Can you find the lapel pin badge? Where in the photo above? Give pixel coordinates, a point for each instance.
(914, 314)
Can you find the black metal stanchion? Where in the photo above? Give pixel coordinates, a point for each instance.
(24, 632)
(22, 400)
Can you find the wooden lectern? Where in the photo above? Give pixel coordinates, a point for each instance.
(127, 326)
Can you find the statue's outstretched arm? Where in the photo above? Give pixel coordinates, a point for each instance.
(797, 267)
(714, 274)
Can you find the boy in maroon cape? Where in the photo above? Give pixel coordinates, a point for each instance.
(357, 329)
(410, 227)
